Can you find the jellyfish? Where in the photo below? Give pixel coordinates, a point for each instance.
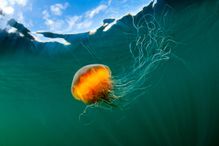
(149, 47)
(92, 83)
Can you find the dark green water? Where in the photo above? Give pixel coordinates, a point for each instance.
(181, 107)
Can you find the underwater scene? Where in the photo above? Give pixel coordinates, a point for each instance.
(145, 79)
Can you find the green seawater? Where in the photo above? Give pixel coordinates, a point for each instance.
(181, 108)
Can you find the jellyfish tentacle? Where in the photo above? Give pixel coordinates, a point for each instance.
(150, 47)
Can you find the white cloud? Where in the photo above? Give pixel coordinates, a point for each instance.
(8, 10)
(52, 23)
(69, 23)
(58, 8)
(72, 21)
(5, 3)
(97, 10)
(18, 2)
(55, 25)
(45, 14)
(12, 9)
(84, 24)
(66, 25)
(75, 23)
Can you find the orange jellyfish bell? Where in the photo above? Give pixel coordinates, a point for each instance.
(92, 83)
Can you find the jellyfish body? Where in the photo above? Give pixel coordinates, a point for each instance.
(92, 83)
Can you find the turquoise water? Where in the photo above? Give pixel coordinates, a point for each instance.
(179, 108)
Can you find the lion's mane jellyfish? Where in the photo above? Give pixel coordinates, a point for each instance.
(92, 83)
(150, 46)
